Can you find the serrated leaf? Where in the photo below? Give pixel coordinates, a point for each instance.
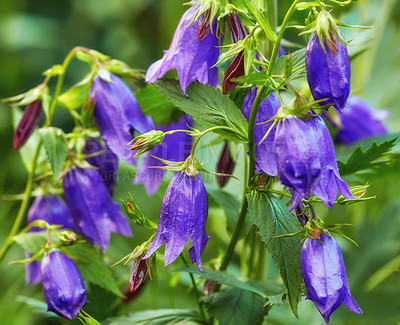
(208, 106)
(92, 266)
(262, 20)
(75, 97)
(269, 216)
(222, 278)
(364, 160)
(234, 306)
(55, 147)
(298, 61)
(32, 242)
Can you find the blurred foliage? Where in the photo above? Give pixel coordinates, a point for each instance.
(35, 35)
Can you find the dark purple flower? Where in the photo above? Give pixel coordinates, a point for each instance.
(225, 165)
(281, 51)
(265, 153)
(92, 208)
(63, 285)
(360, 121)
(192, 58)
(27, 124)
(306, 160)
(33, 273)
(117, 115)
(328, 74)
(325, 276)
(183, 214)
(175, 147)
(106, 162)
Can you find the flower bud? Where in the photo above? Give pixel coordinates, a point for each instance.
(226, 164)
(27, 124)
(208, 287)
(147, 141)
(138, 273)
(235, 70)
(204, 25)
(63, 285)
(325, 276)
(236, 28)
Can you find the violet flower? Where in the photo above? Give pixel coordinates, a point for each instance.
(92, 208)
(193, 59)
(265, 152)
(63, 285)
(117, 115)
(360, 121)
(175, 147)
(106, 162)
(183, 214)
(325, 276)
(328, 73)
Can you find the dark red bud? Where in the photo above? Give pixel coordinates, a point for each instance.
(28, 123)
(235, 70)
(316, 233)
(204, 25)
(138, 272)
(236, 28)
(208, 287)
(302, 217)
(225, 165)
(130, 206)
(139, 145)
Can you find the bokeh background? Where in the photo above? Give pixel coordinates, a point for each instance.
(34, 35)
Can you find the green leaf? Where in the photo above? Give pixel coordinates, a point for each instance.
(306, 5)
(157, 317)
(298, 60)
(234, 306)
(270, 217)
(222, 278)
(208, 106)
(55, 147)
(262, 20)
(92, 266)
(39, 306)
(75, 97)
(32, 242)
(368, 159)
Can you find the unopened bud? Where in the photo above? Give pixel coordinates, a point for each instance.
(235, 70)
(146, 141)
(204, 25)
(138, 273)
(226, 164)
(208, 287)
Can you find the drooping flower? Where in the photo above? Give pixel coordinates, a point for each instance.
(54, 211)
(225, 165)
(325, 276)
(306, 160)
(359, 121)
(265, 153)
(183, 215)
(328, 73)
(193, 59)
(117, 115)
(175, 147)
(63, 285)
(27, 124)
(92, 208)
(106, 162)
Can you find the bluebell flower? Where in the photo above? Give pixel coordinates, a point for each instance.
(325, 276)
(183, 215)
(92, 208)
(193, 59)
(117, 115)
(63, 285)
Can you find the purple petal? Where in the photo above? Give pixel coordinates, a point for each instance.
(33, 273)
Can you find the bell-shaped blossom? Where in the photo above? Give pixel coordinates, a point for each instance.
(183, 215)
(92, 208)
(193, 59)
(359, 121)
(328, 73)
(54, 211)
(306, 160)
(63, 286)
(225, 165)
(175, 147)
(325, 276)
(117, 115)
(265, 153)
(106, 162)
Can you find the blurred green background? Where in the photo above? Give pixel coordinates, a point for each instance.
(34, 35)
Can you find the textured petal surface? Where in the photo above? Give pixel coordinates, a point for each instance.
(328, 74)
(63, 285)
(33, 273)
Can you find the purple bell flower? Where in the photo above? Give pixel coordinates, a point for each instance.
(360, 121)
(107, 162)
(325, 276)
(63, 285)
(306, 160)
(193, 59)
(265, 152)
(328, 73)
(52, 209)
(117, 115)
(92, 208)
(183, 214)
(175, 147)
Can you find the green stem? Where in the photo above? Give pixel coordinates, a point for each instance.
(204, 133)
(271, 7)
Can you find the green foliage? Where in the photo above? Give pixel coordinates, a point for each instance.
(32, 241)
(208, 106)
(269, 216)
(75, 97)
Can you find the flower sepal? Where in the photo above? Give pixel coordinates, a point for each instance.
(146, 142)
